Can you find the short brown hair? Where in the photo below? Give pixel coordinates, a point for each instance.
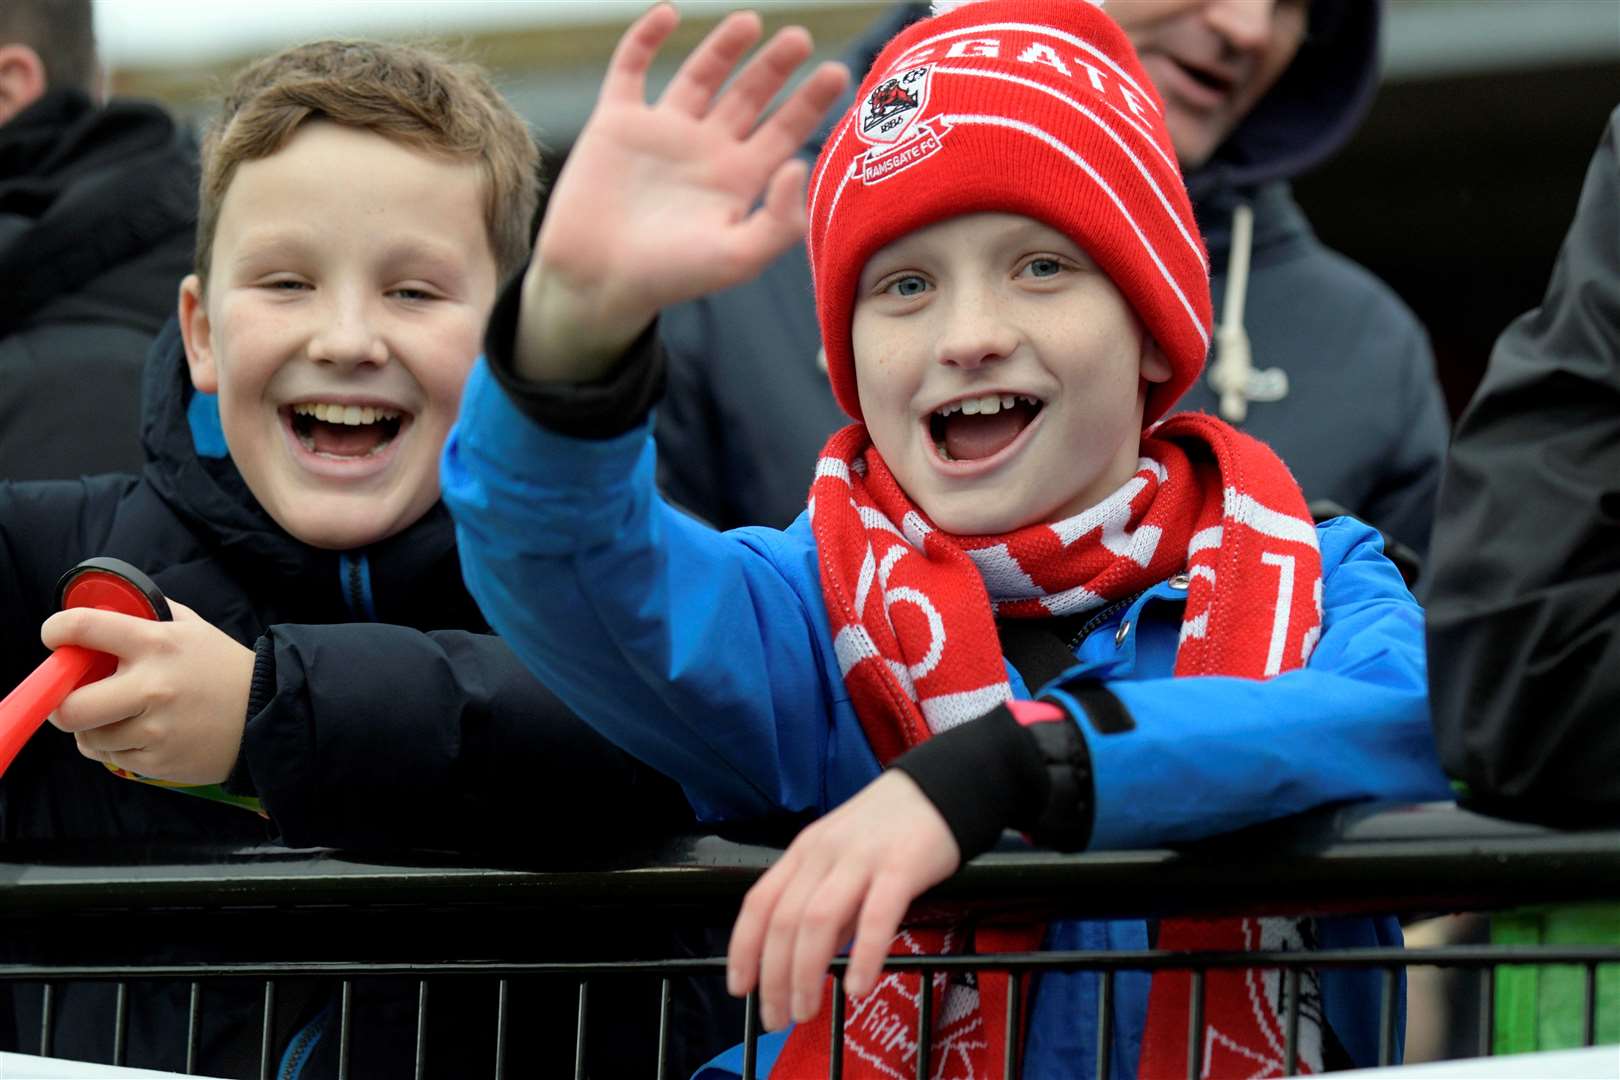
(62, 32)
(412, 94)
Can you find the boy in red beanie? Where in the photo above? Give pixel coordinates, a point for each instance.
(1011, 291)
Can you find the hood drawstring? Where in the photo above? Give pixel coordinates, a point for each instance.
(1233, 374)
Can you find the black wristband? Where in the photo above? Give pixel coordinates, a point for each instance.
(982, 776)
(603, 408)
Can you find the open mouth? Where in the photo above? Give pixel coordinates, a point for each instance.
(344, 431)
(979, 427)
(1212, 81)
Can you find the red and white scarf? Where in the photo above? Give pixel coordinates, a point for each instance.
(912, 612)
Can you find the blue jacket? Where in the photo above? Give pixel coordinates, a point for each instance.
(709, 656)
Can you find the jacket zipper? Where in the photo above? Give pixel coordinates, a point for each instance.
(1101, 618)
(302, 1046)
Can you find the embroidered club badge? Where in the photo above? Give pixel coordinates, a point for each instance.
(891, 122)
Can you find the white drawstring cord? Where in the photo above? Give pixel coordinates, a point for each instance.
(1230, 372)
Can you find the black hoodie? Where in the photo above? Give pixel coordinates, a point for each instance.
(1364, 425)
(383, 714)
(97, 212)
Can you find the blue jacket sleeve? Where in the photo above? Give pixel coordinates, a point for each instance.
(689, 648)
(1209, 754)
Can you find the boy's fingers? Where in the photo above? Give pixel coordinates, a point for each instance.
(740, 107)
(886, 904)
(95, 705)
(117, 738)
(711, 63)
(776, 225)
(626, 79)
(823, 927)
(104, 631)
(786, 129)
(776, 960)
(748, 934)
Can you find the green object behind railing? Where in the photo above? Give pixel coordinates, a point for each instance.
(1544, 1008)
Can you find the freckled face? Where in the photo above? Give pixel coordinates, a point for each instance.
(349, 283)
(1002, 376)
(1211, 60)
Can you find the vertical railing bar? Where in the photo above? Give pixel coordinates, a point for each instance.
(193, 1026)
(121, 1023)
(1105, 1022)
(500, 1030)
(579, 1030)
(1386, 1019)
(664, 1001)
(421, 1028)
(1015, 1024)
(47, 1017)
(751, 1036)
(1195, 1028)
(1487, 1011)
(835, 1066)
(1291, 1022)
(267, 1029)
(1589, 1024)
(345, 1016)
(925, 1023)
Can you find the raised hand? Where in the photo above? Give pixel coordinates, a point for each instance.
(856, 871)
(657, 203)
(175, 708)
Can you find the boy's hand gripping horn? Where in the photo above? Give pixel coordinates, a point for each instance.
(108, 584)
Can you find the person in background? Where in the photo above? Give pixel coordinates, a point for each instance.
(98, 205)
(1524, 604)
(1327, 365)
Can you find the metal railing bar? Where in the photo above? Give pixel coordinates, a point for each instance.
(500, 1029)
(1195, 1028)
(1291, 1022)
(835, 1060)
(121, 1023)
(1014, 1027)
(1461, 956)
(1105, 1023)
(267, 1029)
(1386, 1017)
(579, 1029)
(47, 1016)
(345, 1021)
(1589, 1021)
(193, 1025)
(925, 1022)
(1487, 1011)
(421, 1028)
(751, 1036)
(664, 1000)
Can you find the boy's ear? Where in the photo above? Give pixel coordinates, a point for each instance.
(1155, 365)
(197, 333)
(22, 79)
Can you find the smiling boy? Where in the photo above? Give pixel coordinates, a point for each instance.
(359, 204)
(1011, 292)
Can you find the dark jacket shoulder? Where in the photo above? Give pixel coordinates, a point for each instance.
(1524, 609)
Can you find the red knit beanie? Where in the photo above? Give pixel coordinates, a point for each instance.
(1033, 107)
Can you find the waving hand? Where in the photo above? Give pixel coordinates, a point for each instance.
(664, 202)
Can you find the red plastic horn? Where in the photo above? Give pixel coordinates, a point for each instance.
(108, 584)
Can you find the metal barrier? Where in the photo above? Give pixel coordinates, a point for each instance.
(468, 940)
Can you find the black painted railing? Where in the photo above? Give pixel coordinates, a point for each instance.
(162, 957)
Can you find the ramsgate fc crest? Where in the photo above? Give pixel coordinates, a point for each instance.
(894, 104)
(891, 122)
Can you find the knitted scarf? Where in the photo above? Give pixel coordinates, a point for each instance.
(912, 612)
